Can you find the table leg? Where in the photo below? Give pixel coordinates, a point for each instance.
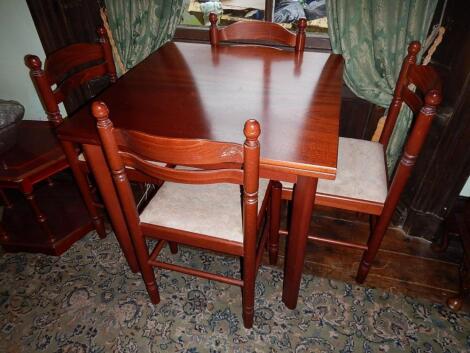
(99, 168)
(303, 200)
(85, 190)
(27, 189)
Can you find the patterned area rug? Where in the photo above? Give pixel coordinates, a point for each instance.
(89, 301)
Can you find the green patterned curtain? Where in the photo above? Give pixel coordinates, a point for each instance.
(372, 36)
(139, 27)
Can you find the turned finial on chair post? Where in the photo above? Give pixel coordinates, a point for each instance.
(101, 112)
(45, 92)
(213, 31)
(105, 130)
(300, 40)
(251, 151)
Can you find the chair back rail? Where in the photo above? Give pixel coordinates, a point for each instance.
(68, 85)
(179, 151)
(258, 30)
(412, 100)
(234, 176)
(61, 62)
(70, 68)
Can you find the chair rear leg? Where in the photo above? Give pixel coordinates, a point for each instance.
(373, 245)
(275, 222)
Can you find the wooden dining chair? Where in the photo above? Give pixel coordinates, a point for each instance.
(361, 183)
(66, 70)
(258, 31)
(210, 215)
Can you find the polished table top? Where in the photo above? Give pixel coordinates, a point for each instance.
(195, 91)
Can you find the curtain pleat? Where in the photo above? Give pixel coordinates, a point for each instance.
(140, 27)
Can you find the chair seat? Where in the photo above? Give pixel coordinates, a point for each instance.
(213, 210)
(81, 157)
(361, 172)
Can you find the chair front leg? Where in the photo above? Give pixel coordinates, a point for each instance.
(248, 289)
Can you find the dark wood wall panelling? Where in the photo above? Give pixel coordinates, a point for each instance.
(444, 164)
(63, 22)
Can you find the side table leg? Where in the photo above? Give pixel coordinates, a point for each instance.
(100, 170)
(303, 201)
(85, 191)
(40, 216)
(5, 200)
(456, 303)
(3, 233)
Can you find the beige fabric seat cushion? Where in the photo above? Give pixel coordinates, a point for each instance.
(360, 172)
(213, 209)
(81, 157)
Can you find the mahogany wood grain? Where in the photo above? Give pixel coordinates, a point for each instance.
(221, 94)
(121, 146)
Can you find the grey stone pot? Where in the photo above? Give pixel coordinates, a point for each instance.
(11, 113)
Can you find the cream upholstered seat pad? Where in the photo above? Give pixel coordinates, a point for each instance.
(212, 209)
(360, 172)
(81, 157)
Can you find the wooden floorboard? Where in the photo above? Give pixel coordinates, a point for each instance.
(404, 264)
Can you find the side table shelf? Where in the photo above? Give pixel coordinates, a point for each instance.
(67, 217)
(39, 214)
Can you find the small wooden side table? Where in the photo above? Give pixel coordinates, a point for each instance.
(458, 223)
(462, 223)
(50, 219)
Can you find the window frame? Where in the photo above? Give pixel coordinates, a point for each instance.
(314, 41)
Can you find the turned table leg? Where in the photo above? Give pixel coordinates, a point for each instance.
(5, 200)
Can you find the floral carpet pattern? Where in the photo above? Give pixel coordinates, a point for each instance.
(88, 301)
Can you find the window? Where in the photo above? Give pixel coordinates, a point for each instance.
(195, 21)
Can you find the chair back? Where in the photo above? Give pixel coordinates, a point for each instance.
(69, 68)
(258, 30)
(423, 100)
(226, 163)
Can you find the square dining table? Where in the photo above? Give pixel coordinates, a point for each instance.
(195, 90)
